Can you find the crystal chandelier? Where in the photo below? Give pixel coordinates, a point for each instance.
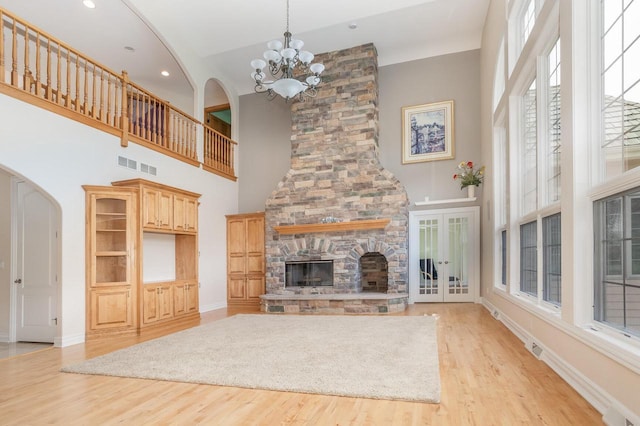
(283, 61)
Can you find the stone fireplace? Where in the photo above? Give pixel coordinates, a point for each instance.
(337, 203)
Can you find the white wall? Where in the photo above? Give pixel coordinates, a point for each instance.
(60, 155)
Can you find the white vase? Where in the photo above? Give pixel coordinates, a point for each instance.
(471, 191)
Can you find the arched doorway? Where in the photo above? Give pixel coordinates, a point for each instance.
(217, 110)
(30, 261)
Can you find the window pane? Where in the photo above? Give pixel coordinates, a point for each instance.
(554, 129)
(528, 20)
(552, 259)
(529, 159)
(621, 86)
(528, 259)
(503, 249)
(617, 284)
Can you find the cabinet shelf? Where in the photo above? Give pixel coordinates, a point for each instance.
(110, 253)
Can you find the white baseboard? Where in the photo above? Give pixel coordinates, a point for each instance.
(213, 307)
(614, 413)
(4, 337)
(74, 339)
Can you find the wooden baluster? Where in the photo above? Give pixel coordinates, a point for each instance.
(38, 75)
(94, 93)
(85, 97)
(194, 135)
(153, 121)
(124, 114)
(67, 101)
(101, 111)
(26, 78)
(109, 106)
(14, 54)
(77, 69)
(49, 90)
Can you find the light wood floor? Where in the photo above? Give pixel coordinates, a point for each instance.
(487, 378)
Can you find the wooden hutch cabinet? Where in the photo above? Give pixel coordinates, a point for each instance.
(118, 217)
(111, 237)
(245, 259)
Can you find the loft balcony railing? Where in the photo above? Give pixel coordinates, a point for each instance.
(37, 68)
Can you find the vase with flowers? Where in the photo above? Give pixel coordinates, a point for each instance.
(469, 176)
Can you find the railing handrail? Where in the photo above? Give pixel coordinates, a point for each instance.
(4, 12)
(51, 74)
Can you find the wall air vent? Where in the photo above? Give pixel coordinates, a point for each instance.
(145, 168)
(537, 350)
(127, 162)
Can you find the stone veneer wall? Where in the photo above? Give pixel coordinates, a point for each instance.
(335, 172)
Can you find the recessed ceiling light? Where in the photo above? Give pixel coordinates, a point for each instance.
(353, 25)
(89, 4)
(165, 73)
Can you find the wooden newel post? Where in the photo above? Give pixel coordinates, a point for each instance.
(124, 117)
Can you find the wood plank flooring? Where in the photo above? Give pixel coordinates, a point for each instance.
(487, 378)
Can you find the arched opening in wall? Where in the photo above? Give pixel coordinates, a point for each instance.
(374, 273)
(29, 261)
(217, 110)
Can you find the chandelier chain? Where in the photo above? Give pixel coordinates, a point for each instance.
(287, 15)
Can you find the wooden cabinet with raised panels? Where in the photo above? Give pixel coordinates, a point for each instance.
(185, 298)
(185, 213)
(111, 236)
(245, 259)
(157, 209)
(121, 219)
(157, 302)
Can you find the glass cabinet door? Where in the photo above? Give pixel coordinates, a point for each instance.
(110, 247)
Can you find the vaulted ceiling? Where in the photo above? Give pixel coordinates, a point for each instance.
(226, 35)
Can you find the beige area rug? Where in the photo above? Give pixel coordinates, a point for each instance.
(358, 356)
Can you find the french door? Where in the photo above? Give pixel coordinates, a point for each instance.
(444, 255)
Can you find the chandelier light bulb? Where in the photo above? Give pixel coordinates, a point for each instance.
(305, 57)
(317, 68)
(296, 44)
(258, 64)
(272, 56)
(274, 45)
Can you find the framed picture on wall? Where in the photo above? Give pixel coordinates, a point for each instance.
(427, 132)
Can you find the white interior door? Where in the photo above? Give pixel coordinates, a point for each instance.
(444, 253)
(35, 277)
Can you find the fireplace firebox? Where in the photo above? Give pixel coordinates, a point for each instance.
(314, 273)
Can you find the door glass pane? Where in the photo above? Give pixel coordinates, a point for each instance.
(458, 281)
(428, 283)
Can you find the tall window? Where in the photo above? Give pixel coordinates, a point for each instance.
(528, 20)
(529, 258)
(621, 85)
(553, 145)
(617, 274)
(530, 150)
(552, 256)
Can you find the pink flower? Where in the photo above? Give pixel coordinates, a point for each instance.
(470, 164)
(455, 176)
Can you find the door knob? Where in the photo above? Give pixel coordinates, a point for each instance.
(18, 281)
(446, 262)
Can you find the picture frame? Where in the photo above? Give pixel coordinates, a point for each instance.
(427, 132)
